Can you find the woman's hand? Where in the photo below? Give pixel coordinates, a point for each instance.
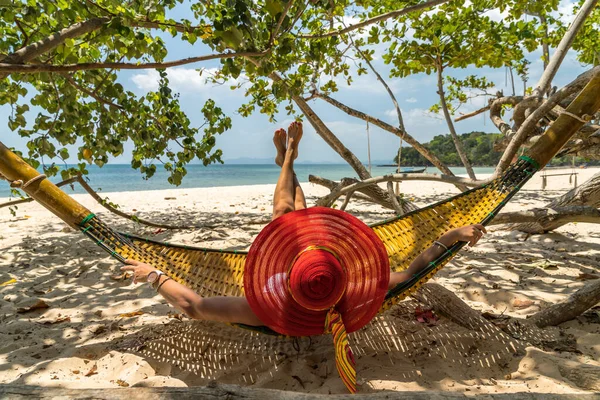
(139, 269)
(469, 233)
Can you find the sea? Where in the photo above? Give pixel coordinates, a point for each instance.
(122, 178)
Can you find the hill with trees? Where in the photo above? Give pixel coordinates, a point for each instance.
(479, 148)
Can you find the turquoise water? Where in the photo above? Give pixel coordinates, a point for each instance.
(121, 177)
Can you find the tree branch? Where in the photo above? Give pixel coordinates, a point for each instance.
(496, 110)
(472, 114)
(331, 185)
(457, 143)
(35, 68)
(278, 26)
(580, 203)
(561, 51)
(18, 23)
(385, 126)
(40, 47)
(379, 18)
(530, 123)
(181, 28)
(546, 218)
(334, 195)
(77, 86)
(580, 301)
(110, 208)
(30, 199)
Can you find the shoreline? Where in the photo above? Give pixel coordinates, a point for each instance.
(271, 186)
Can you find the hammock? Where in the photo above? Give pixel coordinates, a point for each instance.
(212, 272)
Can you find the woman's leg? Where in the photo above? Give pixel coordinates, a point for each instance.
(284, 196)
(299, 199)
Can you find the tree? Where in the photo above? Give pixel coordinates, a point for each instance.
(63, 59)
(63, 56)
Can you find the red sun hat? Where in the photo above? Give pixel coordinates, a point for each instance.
(307, 262)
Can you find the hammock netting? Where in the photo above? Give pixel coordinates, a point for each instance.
(212, 272)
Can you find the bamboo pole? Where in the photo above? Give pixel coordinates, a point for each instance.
(14, 169)
(581, 110)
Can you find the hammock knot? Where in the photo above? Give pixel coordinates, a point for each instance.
(18, 184)
(585, 118)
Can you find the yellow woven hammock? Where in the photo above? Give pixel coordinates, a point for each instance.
(220, 273)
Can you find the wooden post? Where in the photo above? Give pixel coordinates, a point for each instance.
(13, 168)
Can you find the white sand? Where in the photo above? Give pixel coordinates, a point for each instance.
(84, 331)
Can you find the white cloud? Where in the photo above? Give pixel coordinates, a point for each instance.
(390, 113)
(146, 81)
(565, 12)
(411, 100)
(415, 115)
(497, 15)
(182, 79)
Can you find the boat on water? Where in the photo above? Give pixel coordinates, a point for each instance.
(404, 170)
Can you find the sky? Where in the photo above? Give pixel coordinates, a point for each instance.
(252, 137)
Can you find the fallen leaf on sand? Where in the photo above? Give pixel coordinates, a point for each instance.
(8, 282)
(98, 330)
(92, 371)
(518, 303)
(58, 320)
(31, 305)
(543, 264)
(426, 316)
(587, 277)
(120, 277)
(122, 383)
(175, 315)
(131, 314)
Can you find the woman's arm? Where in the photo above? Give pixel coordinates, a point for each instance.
(469, 233)
(221, 308)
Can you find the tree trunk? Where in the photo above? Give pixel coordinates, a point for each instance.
(587, 194)
(215, 391)
(459, 147)
(36, 49)
(563, 47)
(545, 219)
(448, 304)
(578, 303)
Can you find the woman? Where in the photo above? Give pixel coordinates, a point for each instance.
(288, 197)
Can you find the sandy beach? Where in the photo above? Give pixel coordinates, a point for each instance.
(97, 332)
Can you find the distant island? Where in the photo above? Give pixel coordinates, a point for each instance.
(480, 151)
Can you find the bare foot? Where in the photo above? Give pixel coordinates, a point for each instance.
(280, 139)
(294, 136)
